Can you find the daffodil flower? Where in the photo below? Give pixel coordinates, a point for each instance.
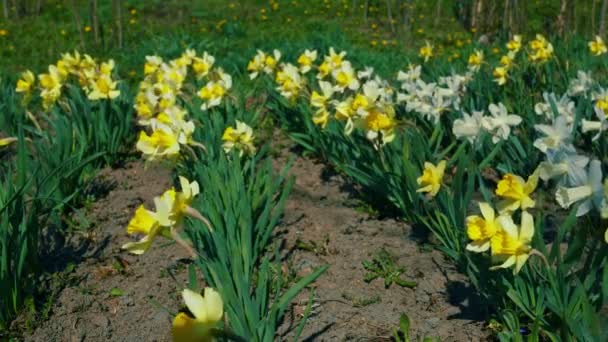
(306, 60)
(500, 122)
(564, 106)
(511, 244)
(171, 207)
(214, 91)
(240, 138)
(26, 83)
(7, 141)
(202, 65)
(345, 77)
(589, 192)
(565, 165)
(581, 84)
(514, 44)
(500, 75)
(597, 47)
(480, 230)
(475, 60)
(426, 52)
(469, 126)
(161, 144)
(205, 313)
(432, 176)
(516, 192)
(600, 126)
(103, 88)
(555, 135)
(290, 81)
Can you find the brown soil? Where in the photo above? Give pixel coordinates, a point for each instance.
(346, 308)
(319, 210)
(87, 310)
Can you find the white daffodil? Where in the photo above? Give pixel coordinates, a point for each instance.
(564, 165)
(600, 126)
(581, 84)
(589, 193)
(564, 107)
(554, 135)
(500, 122)
(469, 127)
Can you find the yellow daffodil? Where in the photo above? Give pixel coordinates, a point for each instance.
(597, 47)
(306, 59)
(321, 117)
(475, 60)
(426, 51)
(481, 229)
(500, 75)
(202, 65)
(26, 83)
(7, 141)
(290, 81)
(103, 88)
(381, 124)
(514, 44)
(206, 312)
(240, 138)
(162, 144)
(511, 244)
(516, 192)
(507, 60)
(152, 64)
(171, 207)
(542, 50)
(432, 176)
(214, 91)
(144, 223)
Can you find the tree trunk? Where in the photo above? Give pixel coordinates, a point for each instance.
(119, 22)
(505, 16)
(38, 7)
(438, 13)
(561, 18)
(5, 8)
(94, 21)
(389, 14)
(478, 15)
(366, 10)
(603, 18)
(593, 15)
(78, 21)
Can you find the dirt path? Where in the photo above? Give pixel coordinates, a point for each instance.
(114, 299)
(320, 214)
(346, 307)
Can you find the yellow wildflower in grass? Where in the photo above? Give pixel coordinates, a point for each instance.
(26, 83)
(511, 244)
(514, 45)
(87, 28)
(475, 60)
(426, 51)
(205, 313)
(481, 229)
(516, 192)
(240, 138)
(597, 47)
(162, 144)
(500, 75)
(432, 176)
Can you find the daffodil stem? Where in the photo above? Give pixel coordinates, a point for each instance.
(183, 243)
